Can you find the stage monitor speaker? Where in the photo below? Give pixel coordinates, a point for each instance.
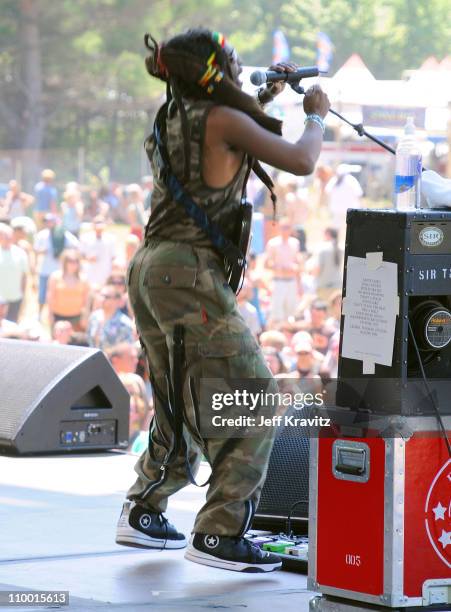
(56, 398)
(287, 483)
(419, 243)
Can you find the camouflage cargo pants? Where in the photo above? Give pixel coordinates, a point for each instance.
(173, 283)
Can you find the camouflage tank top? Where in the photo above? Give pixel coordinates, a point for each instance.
(168, 219)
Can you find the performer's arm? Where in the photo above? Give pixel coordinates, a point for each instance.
(238, 130)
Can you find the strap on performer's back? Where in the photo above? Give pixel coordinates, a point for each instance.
(212, 229)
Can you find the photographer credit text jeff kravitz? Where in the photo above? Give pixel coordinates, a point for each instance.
(274, 421)
(246, 399)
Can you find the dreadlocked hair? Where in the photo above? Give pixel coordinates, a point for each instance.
(183, 62)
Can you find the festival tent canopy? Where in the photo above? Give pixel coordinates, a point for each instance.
(354, 69)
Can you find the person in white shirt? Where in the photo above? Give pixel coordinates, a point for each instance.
(283, 257)
(13, 272)
(343, 191)
(99, 249)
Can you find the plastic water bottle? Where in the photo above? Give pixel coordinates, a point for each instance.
(408, 170)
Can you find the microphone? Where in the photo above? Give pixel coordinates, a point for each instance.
(271, 76)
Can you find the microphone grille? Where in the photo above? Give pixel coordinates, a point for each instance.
(258, 77)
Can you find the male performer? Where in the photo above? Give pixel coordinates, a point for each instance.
(177, 282)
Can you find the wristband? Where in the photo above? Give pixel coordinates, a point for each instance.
(316, 119)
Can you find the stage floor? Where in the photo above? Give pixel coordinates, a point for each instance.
(57, 523)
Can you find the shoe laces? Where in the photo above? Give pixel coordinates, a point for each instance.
(255, 550)
(164, 521)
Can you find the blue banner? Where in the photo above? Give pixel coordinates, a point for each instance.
(280, 48)
(325, 52)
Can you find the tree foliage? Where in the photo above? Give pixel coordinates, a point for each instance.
(72, 73)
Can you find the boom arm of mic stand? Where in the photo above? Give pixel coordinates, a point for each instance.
(358, 127)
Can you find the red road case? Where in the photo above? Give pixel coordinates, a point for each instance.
(380, 517)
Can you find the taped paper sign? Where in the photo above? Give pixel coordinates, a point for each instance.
(370, 308)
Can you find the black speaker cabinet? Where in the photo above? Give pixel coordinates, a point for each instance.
(287, 483)
(56, 398)
(419, 243)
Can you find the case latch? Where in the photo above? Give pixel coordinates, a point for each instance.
(351, 460)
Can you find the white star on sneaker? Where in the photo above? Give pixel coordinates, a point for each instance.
(439, 512)
(211, 541)
(145, 521)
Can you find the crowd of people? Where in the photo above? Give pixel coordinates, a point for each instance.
(65, 250)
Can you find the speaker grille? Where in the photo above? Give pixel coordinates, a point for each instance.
(287, 481)
(26, 369)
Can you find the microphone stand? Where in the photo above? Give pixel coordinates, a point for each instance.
(358, 127)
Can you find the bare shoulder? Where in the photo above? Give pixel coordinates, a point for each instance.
(224, 116)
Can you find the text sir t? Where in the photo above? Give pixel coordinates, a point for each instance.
(434, 274)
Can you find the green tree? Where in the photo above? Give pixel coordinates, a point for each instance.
(72, 73)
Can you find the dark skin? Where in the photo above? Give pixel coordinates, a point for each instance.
(231, 133)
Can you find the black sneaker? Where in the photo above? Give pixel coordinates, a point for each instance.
(232, 553)
(141, 528)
